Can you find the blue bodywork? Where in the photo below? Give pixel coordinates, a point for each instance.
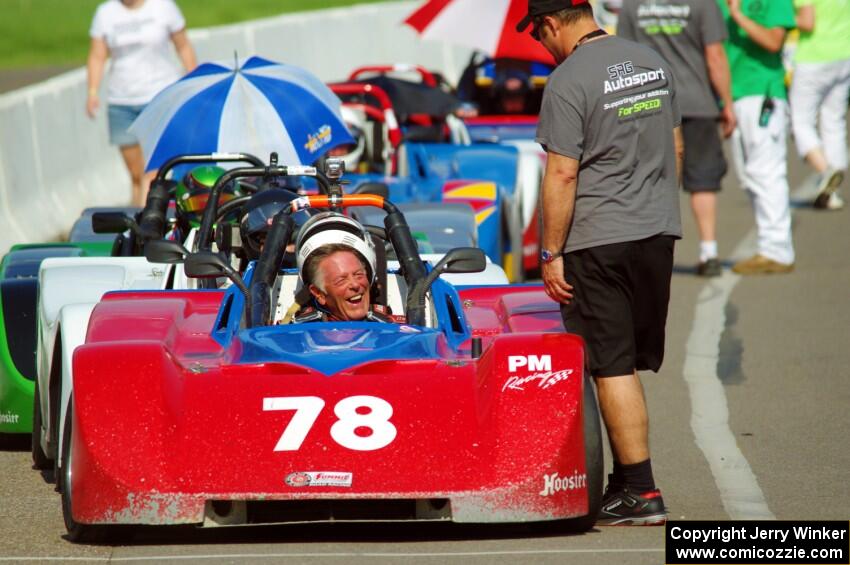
(429, 166)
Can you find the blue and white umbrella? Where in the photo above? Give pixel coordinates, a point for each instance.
(256, 108)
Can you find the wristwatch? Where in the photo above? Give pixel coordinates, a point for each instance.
(547, 256)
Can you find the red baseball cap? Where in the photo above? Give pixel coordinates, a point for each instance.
(540, 7)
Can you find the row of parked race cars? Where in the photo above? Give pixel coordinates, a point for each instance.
(156, 362)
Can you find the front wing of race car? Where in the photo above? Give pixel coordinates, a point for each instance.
(170, 427)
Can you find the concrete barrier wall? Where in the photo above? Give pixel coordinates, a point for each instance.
(55, 161)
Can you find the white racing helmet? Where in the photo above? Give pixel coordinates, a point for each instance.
(355, 121)
(328, 228)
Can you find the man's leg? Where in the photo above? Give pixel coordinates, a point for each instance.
(833, 131)
(833, 127)
(760, 159)
(704, 168)
(631, 498)
(623, 407)
(814, 84)
(704, 207)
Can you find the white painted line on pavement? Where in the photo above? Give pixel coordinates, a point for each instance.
(740, 493)
(347, 554)
(739, 489)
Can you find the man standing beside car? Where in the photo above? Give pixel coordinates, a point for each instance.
(689, 34)
(611, 127)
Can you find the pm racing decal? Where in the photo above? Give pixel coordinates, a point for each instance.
(533, 369)
(319, 479)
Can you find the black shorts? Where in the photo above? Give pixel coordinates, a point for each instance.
(705, 165)
(620, 297)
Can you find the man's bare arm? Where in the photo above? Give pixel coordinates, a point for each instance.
(679, 144)
(558, 203)
(769, 39)
(806, 18)
(718, 74)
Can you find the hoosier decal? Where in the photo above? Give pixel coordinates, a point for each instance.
(553, 483)
(9, 418)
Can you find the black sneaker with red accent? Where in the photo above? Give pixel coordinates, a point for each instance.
(620, 507)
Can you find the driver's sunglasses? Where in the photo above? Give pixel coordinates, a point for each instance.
(536, 24)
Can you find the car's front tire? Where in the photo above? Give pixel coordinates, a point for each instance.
(594, 458)
(40, 460)
(594, 463)
(77, 532)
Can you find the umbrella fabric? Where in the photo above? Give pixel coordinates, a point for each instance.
(256, 108)
(486, 25)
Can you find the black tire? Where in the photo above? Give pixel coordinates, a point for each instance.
(594, 463)
(77, 532)
(40, 460)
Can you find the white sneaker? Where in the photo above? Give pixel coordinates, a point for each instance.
(835, 202)
(829, 182)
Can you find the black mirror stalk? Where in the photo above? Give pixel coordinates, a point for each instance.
(206, 264)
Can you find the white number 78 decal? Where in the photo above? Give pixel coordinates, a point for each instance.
(308, 408)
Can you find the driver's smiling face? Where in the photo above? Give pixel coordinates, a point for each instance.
(344, 291)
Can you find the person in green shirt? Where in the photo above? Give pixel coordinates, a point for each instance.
(757, 30)
(820, 89)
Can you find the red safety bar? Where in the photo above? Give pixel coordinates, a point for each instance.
(389, 117)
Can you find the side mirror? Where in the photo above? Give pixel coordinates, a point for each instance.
(462, 260)
(377, 188)
(458, 260)
(165, 251)
(112, 222)
(204, 265)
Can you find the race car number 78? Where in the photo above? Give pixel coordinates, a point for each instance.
(350, 417)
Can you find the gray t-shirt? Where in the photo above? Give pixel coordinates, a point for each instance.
(611, 105)
(679, 30)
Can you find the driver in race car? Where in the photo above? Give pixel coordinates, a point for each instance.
(355, 155)
(336, 263)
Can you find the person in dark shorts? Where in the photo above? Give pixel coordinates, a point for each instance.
(610, 125)
(689, 34)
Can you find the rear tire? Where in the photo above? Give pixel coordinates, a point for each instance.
(40, 460)
(77, 532)
(594, 460)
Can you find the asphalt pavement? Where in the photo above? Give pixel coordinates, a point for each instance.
(748, 419)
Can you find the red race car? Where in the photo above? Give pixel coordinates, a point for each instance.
(207, 407)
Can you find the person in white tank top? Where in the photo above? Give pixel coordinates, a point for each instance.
(137, 36)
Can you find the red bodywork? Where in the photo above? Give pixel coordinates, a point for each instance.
(164, 422)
